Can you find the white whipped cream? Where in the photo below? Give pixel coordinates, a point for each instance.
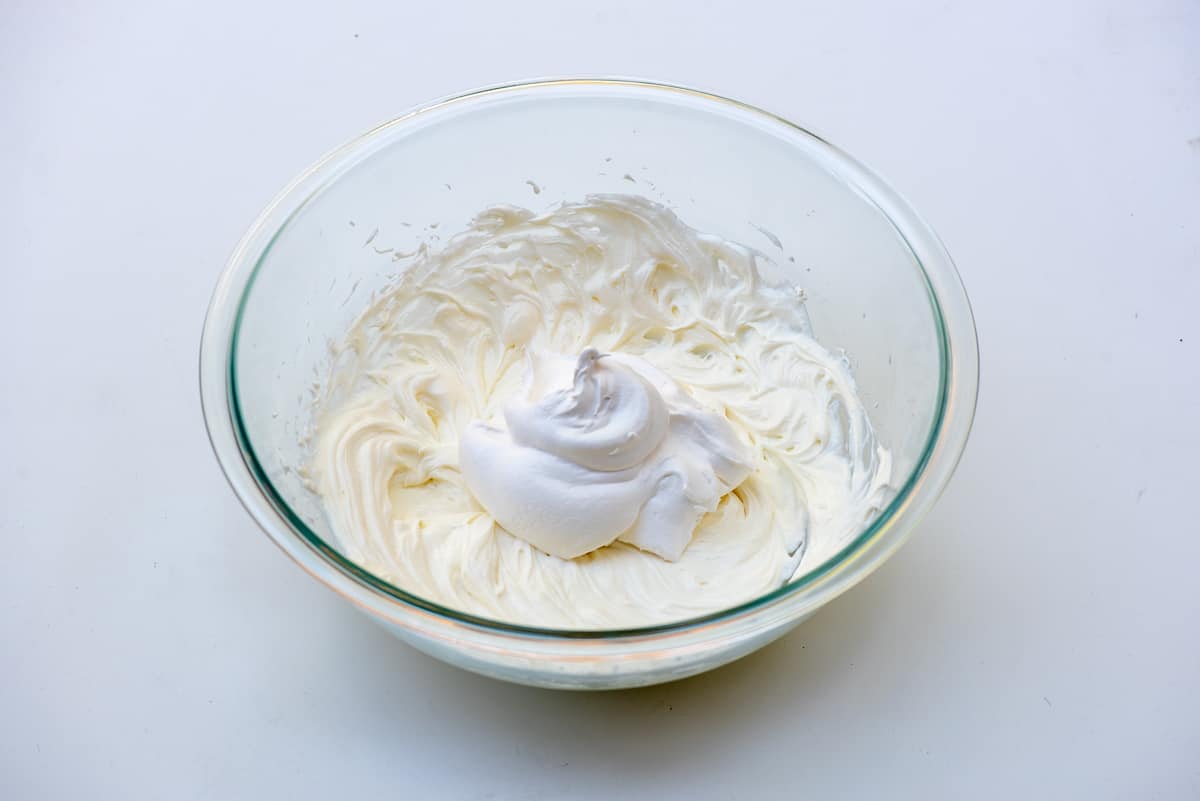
(603, 447)
(461, 347)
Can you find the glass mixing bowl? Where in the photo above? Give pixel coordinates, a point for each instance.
(879, 285)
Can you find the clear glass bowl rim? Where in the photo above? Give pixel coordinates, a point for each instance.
(959, 377)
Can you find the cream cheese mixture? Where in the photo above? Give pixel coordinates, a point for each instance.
(595, 417)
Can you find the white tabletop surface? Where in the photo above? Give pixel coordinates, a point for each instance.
(1038, 638)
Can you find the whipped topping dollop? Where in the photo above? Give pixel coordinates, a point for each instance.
(459, 437)
(600, 448)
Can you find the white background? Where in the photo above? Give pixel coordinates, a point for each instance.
(1038, 638)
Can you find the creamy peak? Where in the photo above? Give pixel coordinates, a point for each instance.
(602, 447)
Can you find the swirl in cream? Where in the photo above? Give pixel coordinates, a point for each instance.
(609, 455)
(466, 375)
